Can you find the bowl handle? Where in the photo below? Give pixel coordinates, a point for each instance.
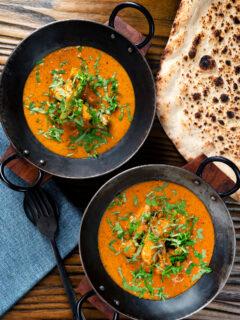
(12, 185)
(230, 164)
(82, 300)
(130, 4)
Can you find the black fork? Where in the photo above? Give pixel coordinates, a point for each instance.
(41, 210)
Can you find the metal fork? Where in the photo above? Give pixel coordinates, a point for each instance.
(42, 211)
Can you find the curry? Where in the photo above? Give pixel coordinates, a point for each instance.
(78, 101)
(156, 240)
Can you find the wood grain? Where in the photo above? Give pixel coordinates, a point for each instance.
(18, 18)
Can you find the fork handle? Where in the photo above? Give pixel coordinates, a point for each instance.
(65, 280)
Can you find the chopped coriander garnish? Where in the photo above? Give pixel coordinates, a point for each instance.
(54, 133)
(121, 115)
(111, 245)
(40, 131)
(37, 76)
(116, 212)
(62, 63)
(80, 48)
(55, 71)
(39, 62)
(135, 200)
(97, 61)
(199, 234)
(129, 114)
(124, 218)
(127, 248)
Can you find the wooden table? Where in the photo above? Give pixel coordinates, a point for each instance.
(18, 18)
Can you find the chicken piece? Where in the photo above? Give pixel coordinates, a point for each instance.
(86, 117)
(139, 213)
(182, 219)
(148, 251)
(159, 229)
(105, 119)
(73, 73)
(142, 227)
(143, 210)
(179, 277)
(76, 92)
(163, 257)
(63, 91)
(129, 247)
(89, 96)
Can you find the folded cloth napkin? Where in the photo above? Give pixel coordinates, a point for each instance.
(25, 255)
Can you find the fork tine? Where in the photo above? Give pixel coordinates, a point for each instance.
(41, 210)
(34, 208)
(46, 201)
(40, 202)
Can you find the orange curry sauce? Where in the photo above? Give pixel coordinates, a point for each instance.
(203, 233)
(107, 66)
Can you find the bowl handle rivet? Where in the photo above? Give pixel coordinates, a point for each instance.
(116, 302)
(101, 288)
(113, 36)
(213, 198)
(26, 152)
(42, 162)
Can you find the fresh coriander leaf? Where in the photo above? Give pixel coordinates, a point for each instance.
(116, 212)
(62, 63)
(40, 131)
(124, 218)
(39, 62)
(199, 234)
(127, 248)
(55, 71)
(135, 200)
(133, 226)
(37, 76)
(129, 114)
(121, 115)
(190, 268)
(148, 202)
(54, 134)
(111, 245)
(109, 222)
(97, 61)
(203, 270)
(118, 229)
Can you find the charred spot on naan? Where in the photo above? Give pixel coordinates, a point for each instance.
(207, 63)
(192, 52)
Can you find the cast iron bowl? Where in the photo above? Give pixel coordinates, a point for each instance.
(72, 33)
(205, 289)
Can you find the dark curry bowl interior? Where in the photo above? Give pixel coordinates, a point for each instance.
(195, 297)
(71, 33)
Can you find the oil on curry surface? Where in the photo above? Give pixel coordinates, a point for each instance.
(78, 101)
(156, 239)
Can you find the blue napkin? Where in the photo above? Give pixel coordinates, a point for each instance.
(25, 255)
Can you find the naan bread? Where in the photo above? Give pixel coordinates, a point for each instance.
(198, 85)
